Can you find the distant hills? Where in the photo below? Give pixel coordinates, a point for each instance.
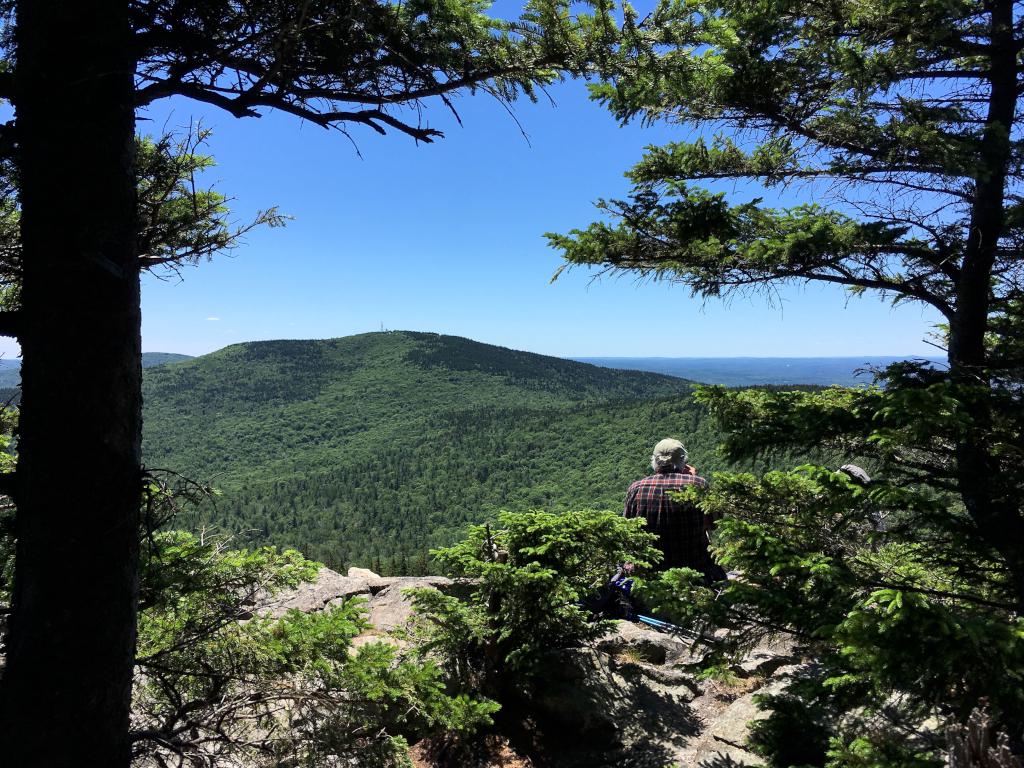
(150, 359)
(756, 371)
(10, 370)
(372, 448)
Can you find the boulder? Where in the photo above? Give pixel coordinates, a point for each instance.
(581, 698)
(632, 699)
(374, 582)
(387, 605)
(328, 588)
(391, 609)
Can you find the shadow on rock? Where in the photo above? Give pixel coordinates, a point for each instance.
(725, 761)
(594, 711)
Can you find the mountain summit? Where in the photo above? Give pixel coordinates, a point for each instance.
(373, 447)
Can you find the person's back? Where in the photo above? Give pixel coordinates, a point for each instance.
(679, 525)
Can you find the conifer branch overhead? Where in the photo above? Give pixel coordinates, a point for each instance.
(317, 58)
(903, 128)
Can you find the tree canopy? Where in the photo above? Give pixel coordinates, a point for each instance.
(899, 116)
(895, 127)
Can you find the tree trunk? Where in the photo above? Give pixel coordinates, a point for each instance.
(66, 690)
(992, 503)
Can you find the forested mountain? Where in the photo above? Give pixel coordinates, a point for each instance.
(370, 449)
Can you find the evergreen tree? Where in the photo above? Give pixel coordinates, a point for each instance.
(900, 120)
(66, 686)
(217, 679)
(530, 578)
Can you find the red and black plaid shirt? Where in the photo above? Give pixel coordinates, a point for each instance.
(679, 525)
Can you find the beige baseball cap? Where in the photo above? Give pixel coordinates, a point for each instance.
(670, 450)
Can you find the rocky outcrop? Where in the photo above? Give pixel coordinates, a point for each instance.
(633, 699)
(329, 588)
(388, 608)
(723, 742)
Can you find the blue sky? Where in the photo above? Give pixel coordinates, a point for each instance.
(448, 238)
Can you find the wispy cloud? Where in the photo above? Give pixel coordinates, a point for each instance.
(213, 318)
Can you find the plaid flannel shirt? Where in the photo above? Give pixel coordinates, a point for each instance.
(679, 525)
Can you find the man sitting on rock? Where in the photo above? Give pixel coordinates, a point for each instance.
(680, 526)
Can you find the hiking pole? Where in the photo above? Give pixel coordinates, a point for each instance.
(657, 623)
(664, 626)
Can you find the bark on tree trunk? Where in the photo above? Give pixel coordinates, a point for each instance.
(65, 693)
(992, 505)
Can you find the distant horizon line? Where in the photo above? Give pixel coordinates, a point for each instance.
(747, 357)
(4, 361)
(645, 357)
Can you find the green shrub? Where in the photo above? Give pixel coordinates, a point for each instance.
(219, 679)
(528, 578)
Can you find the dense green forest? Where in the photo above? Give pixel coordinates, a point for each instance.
(371, 449)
